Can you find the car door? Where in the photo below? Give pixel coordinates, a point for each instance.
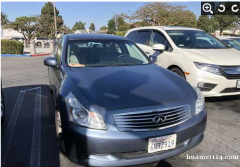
(163, 56)
(142, 39)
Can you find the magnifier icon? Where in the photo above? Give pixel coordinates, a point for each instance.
(207, 8)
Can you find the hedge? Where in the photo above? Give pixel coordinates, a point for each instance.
(11, 47)
(120, 33)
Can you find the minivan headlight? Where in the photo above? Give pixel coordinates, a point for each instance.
(200, 103)
(81, 116)
(209, 68)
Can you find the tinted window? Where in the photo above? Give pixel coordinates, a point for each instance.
(194, 39)
(158, 38)
(132, 35)
(143, 37)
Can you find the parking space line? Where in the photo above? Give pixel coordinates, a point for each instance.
(36, 138)
(11, 126)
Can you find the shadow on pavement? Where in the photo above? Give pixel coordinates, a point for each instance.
(222, 99)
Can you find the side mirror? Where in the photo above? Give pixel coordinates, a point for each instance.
(51, 62)
(153, 58)
(158, 47)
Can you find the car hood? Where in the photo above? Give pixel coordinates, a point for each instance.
(130, 86)
(213, 56)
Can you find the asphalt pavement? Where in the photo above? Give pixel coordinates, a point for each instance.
(28, 132)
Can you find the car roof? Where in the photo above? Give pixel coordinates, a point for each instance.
(94, 37)
(166, 28)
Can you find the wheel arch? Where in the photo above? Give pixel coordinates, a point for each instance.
(176, 66)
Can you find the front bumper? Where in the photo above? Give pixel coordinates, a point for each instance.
(114, 148)
(224, 86)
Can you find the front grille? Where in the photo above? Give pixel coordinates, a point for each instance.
(231, 72)
(152, 119)
(230, 90)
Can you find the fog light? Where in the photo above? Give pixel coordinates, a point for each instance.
(205, 87)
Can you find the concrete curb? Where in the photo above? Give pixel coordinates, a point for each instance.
(43, 54)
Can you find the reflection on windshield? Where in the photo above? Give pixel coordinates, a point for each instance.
(99, 53)
(195, 39)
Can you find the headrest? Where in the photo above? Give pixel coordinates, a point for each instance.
(75, 49)
(111, 49)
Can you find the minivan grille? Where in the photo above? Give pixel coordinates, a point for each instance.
(231, 72)
(152, 119)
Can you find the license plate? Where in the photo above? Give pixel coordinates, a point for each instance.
(162, 143)
(238, 84)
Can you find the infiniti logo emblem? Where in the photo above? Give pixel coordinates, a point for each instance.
(159, 119)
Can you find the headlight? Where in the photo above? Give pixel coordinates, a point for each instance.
(81, 116)
(209, 68)
(200, 103)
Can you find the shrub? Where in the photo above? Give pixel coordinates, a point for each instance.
(11, 47)
(111, 32)
(120, 33)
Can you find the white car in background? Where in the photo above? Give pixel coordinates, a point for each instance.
(200, 58)
(230, 42)
(40, 40)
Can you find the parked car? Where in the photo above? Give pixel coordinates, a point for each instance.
(39, 40)
(18, 39)
(117, 108)
(230, 42)
(235, 38)
(200, 58)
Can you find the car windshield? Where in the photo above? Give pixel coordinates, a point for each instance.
(195, 39)
(232, 43)
(95, 53)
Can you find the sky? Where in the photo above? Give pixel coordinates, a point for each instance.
(89, 12)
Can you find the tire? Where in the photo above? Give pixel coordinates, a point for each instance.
(39, 44)
(59, 133)
(58, 123)
(178, 72)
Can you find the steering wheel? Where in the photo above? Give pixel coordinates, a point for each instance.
(120, 56)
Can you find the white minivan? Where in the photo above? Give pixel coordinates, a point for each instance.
(200, 58)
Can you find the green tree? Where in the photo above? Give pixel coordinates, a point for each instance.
(65, 30)
(111, 26)
(79, 26)
(28, 26)
(166, 14)
(4, 19)
(120, 23)
(103, 28)
(222, 22)
(92, 26)
(204, 23)
(47, 20)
